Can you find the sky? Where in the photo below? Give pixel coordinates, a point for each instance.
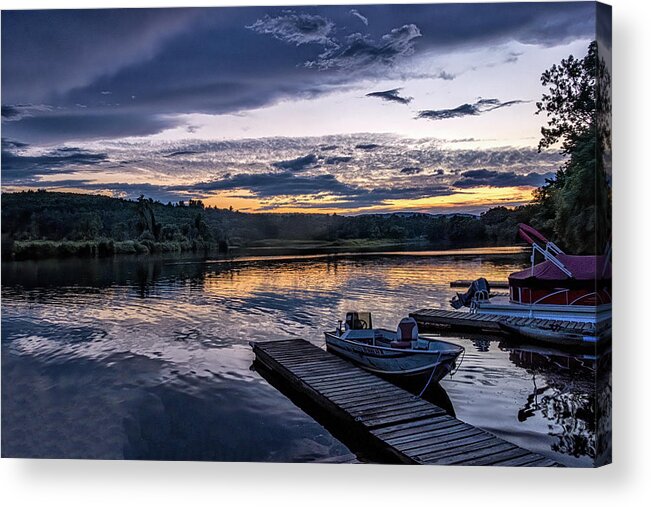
(347, 109)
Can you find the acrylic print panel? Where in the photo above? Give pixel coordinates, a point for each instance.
(345, 234)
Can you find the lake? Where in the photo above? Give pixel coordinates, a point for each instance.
(143, 358)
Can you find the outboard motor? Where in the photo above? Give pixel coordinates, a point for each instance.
(478, 290)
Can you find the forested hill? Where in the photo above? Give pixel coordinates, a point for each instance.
(38, 224)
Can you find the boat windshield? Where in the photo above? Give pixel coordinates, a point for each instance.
(359, 320)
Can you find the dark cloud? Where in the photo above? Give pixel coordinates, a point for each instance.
(267, 185)
(19, 168)
(359, 52)
(338, 160)
(57, 127)
(359, 15)
(411, 170)
(9, 144)
(181, 153)
(367, 146)
(391, 96)
(46, 51)
(446, 76)
(296, 28)
(475, 109)
(490, 178)
(297, 164)
(16, 112)
(156, 63)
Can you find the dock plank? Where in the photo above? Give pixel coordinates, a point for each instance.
(401, 424)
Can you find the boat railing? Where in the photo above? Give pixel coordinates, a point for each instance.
(549, 253)
(560, 291)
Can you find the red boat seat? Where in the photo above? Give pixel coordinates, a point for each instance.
(407, 330)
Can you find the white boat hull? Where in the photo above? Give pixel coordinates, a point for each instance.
(435, 363)
(570, 313)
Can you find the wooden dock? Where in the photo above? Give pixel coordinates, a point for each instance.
(493, 284)
(455, 320)
(404, 426)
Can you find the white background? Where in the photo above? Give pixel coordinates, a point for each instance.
(627, 481)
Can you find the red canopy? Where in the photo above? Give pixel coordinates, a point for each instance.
(584, 268)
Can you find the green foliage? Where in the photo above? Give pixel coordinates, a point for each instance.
(574, 208)
(44, 224)
(570, 103)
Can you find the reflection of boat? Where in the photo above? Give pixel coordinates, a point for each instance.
(403, 353)
(569, 288)
(570, 392)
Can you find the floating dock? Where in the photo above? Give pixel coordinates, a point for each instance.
(492, 283)
(455, 320)
(404, 426)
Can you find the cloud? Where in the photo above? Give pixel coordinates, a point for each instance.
(411, 170)
(267, 185)
(16, 112)
(391, 96)
(480, 107)
(296, 28)
(62, 126)
(180, 153)
(446, 76)
(301, 176)
(18, 167)
(358, 15)
(203, 60)
(50, 52)
(367, 146)
(359, 51)
(338, 160)
(297, 164)
(490, 178)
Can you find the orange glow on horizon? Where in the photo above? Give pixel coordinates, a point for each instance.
(471, 197)
(246, 201)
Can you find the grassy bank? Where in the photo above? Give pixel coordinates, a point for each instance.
(44, 249)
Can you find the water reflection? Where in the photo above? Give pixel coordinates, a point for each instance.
(155, 354)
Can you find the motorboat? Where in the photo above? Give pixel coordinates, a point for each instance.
(399, 354)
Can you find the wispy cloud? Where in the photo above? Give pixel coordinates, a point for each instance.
(391, 96)
(16, 112)
(359, 16)
(296, 28)
(480, 107)
(359, 51)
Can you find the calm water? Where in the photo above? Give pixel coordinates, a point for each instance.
(149, 359)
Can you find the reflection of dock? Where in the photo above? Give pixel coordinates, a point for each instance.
(398, 424)
(493, 284)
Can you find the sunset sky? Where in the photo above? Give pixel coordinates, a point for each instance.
(313, 109)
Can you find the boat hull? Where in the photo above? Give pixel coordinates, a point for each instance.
(569, 313)
(555, 337)
(397, 363)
